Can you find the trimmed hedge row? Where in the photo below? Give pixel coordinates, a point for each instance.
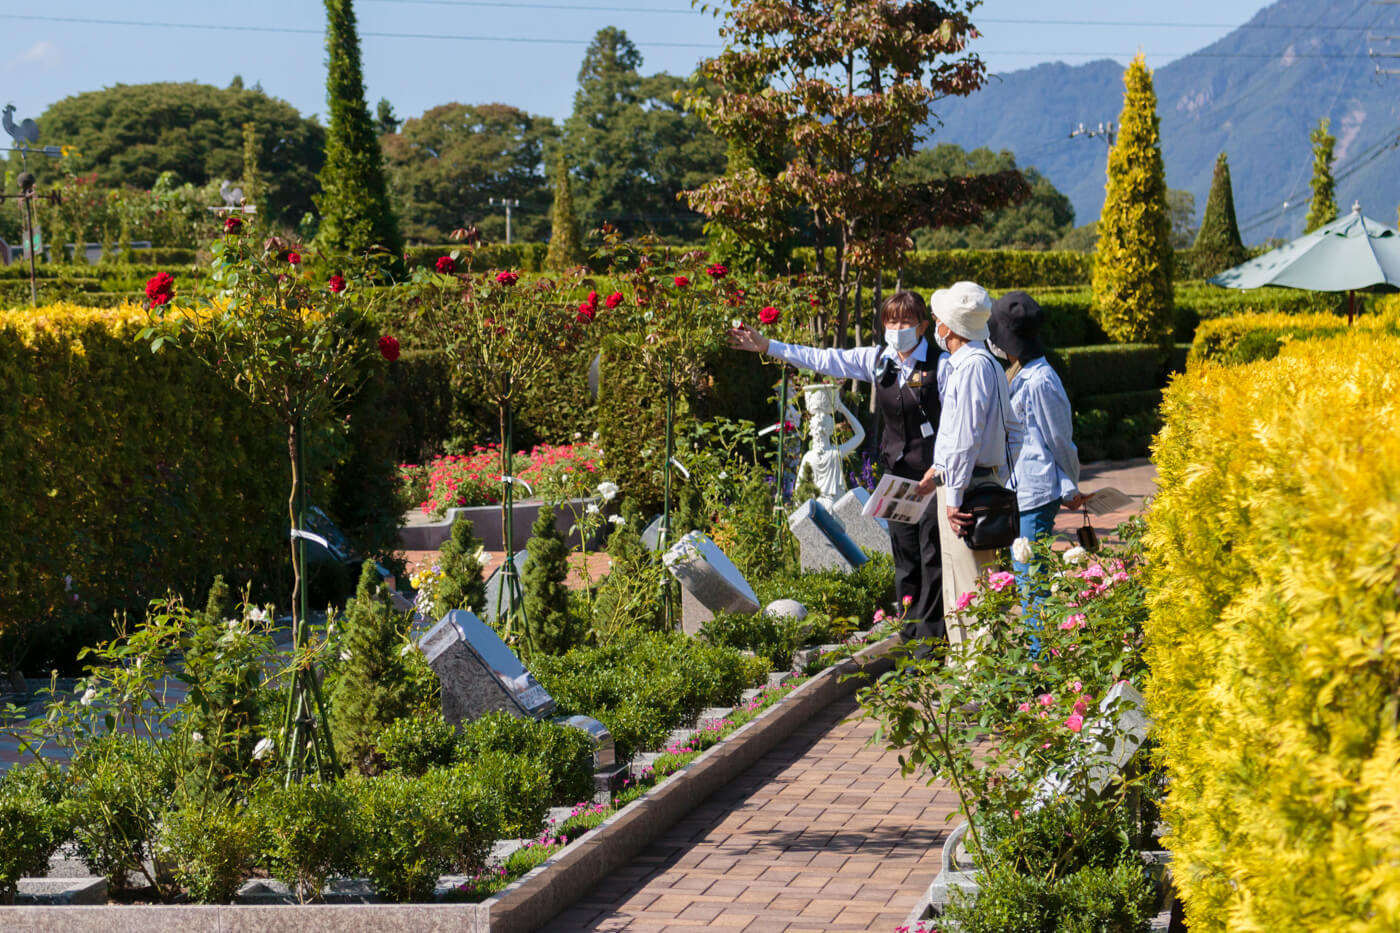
(1247, 338)
(130, 474)
(1111, 368)
(990, 268)
(1271, 642)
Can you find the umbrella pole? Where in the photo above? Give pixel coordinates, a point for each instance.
(1351, 307)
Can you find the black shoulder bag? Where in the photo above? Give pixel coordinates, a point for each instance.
(996, 518)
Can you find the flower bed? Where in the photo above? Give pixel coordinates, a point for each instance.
(553, 473)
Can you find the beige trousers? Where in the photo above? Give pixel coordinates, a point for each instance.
(961, 568)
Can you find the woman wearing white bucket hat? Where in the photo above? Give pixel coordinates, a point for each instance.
(978, 437)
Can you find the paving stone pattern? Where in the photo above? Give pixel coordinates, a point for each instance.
(821, 834)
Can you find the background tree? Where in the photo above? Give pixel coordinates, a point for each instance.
(1218, 246)
(632, 148)
(549, 626)
(252, 177)
(565, 248)
(461, 585)
(385, 120)
(1323, 209)
(843, 88)
(371, 688)
(1132, 279)
(131, 134)
(445, 166)
(1181, 210)
(355, 213)
(1039, 223)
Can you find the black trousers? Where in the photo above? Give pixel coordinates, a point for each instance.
(918, 572)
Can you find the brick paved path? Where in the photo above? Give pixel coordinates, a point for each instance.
(820, 834)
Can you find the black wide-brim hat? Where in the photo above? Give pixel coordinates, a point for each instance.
(1015, 325)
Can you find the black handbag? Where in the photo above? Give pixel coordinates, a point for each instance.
(996, 519)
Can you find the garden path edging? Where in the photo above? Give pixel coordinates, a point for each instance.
(527, 904)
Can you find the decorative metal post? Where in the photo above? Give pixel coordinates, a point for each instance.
(665, 535)
(510, 576)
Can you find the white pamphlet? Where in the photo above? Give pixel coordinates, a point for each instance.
(895, 499)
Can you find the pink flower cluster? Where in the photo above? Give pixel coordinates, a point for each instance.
(459, 480)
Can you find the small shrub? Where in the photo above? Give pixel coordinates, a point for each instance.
(562, 754)
(630, 595)
(371, 689)
(120, 789)
(1091, 900)
(474, 809)
(461, 585)
(515, 785)
(550, 627)
(211, 845)
(34, 822)
(405, 836)
(769, 637)
(414, 745)
(305, 832)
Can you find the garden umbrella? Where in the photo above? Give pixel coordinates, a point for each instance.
(1349, 253)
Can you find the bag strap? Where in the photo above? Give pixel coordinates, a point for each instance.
(1001, 385)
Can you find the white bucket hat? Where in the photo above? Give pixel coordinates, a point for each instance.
(964, 308)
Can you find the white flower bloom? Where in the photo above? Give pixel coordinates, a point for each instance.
(1075, 555)
(617, 520)
(591, 508)
(231, 625)
(262, 749)
(258, 615)
(88, 696)
(1021, 550)
(196, 737)
(578, 435)
(608, 491)
(724, 474)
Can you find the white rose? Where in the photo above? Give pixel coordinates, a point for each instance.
(591, 508)
(257, 615)
(196, 737)
(617, 519)
(262, 749)
(1075, 555)
(608, 491)
(1021, 550)
(88, 696)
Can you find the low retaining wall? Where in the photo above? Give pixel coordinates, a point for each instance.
(486, 525)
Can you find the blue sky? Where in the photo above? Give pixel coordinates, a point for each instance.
(524, 53)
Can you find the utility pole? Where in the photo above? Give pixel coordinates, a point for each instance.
(1107, 131)
(509, 203)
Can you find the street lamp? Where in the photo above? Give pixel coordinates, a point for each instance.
(508, 203)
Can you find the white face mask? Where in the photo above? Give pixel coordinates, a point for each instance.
(903, 339)
(997, 351)
(940, 339)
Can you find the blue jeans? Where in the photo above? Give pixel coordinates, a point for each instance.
(1034, 524)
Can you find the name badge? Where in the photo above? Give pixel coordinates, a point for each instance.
(916, 379)
(926, 429)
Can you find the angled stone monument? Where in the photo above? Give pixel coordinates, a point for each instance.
(478, 673)
(823, 543)
(651, 535)
(496, 602)
(709, 581)
(868, 532)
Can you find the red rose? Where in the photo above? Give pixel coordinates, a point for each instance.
(593, 300)
(507, 278)
(681, 281)
(717, 271)
(293, 257)
(814, 301)
(768, 315)
(446, 265)
(585, 314)
(233, 225)
(336, 284)
(613, 300)
(388, 348)
(160, 288)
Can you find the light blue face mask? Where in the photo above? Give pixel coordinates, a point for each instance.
(903, 339)
(940, 339)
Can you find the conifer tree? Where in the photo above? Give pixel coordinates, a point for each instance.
(371, 687)
(1218, 246)
(549, 626)
(461, 585)
(1132, 277)
(354, 199)
(628, 594)
(565, 248)
(251, 192)
(1323, 209)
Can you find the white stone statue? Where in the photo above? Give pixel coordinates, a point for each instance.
(825, 458)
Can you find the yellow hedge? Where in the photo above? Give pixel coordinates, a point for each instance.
(1274, 638)
(125, 474)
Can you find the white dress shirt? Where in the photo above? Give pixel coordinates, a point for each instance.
(976, 399)
(1047, 469)
(863, 363)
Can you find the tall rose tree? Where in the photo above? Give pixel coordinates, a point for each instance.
(299, 346)
(500, 334)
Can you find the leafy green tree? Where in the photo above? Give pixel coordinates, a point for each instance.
(633, 149)
(461, 585)
(131, 134)
(1323, 209)
(1038, 223)
(371, 688)
(550, 628)
(630, 595)
(1132, 280)
(1218, 246)
(445, 166)
(354, 199)
(565, 250)
(385, 120)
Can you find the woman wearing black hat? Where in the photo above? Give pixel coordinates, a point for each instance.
(1047, 468)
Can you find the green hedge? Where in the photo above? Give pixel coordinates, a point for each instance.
(131, 474)
(1111, 368)
(994, 269)
(166, 256)
(522, 257)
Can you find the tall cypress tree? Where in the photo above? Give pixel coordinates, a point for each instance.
(1323, 209)
(1218, 245)
(550, 628)
(1132, 278)
(354, 199)
(565, 249)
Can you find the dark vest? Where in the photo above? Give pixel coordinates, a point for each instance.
(904, 451)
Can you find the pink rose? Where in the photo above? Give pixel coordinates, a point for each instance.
(1001, 580)
(1023, 707)
(1075, 621)
(1046, 699)
(908, 601)
(1080, 707)
(1074, 723)
(964, 601)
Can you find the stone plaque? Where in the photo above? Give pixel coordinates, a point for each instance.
(709, 581)
(478, 673)
(868, 532)
(651, 535)
(824, 544)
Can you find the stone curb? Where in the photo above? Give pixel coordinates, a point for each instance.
(533, 900)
